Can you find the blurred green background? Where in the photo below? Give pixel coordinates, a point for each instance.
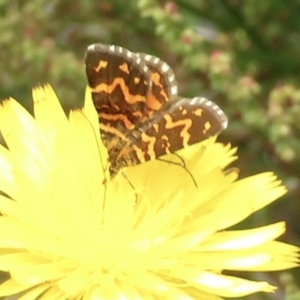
(243, 55)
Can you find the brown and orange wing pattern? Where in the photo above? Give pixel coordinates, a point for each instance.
(127, 87)
(163, 82)
(180, 123)
(141, 116)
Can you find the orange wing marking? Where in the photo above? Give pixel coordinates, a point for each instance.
(151, 141)
(102, 64)
(207, 127)
(155, 126)
(136, 80)
(186, 123)
(109, 88)
(155, 77)
(198, 112)
(184, 112)
(152, 101)
(139, 153)
(106, 128)
(167, 148)
(116, 117)
(124, 68)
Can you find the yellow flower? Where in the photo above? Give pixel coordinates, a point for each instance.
(69, 232)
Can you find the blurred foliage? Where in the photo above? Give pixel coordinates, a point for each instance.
(244, 55)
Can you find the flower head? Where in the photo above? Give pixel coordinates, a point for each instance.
(157, 230)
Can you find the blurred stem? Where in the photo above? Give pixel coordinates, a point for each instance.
(234, 15)
(251, 32)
